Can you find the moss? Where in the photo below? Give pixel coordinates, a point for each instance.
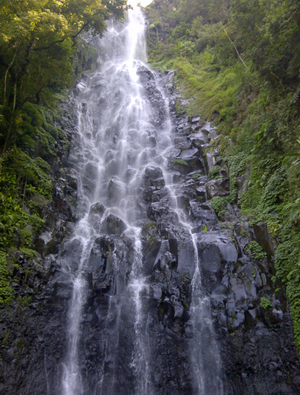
(5, 339)
(26, 300)
(265, 303)
(28, 252)
(151, 229)
(179, 108)
(197, 175)
(274, 279)
(20, 344)
(243, 232)
(215, 171)
(185, 303)
(84, 58)
(180, 162)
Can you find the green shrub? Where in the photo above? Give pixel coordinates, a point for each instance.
(256, 250)
(214, 172)
(265, 303)
(219, 204)
(6, 292)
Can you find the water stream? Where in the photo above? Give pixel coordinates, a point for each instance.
(123, 133)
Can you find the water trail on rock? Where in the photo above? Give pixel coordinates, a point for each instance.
(205, 356)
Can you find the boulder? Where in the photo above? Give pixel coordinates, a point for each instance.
(113, 225)
(153, 176)
(219, 187)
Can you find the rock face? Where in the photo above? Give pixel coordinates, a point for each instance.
(248, 305)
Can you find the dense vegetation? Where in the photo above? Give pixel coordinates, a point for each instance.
(41, 55)
(239, 61)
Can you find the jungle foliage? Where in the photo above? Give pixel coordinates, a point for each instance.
(239, 61)
(41, 55)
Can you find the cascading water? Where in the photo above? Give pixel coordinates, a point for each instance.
(123, 148)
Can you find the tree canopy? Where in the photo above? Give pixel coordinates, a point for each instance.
(36, 42)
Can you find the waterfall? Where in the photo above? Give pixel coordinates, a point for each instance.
(122, 152)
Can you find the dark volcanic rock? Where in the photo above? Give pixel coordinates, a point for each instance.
(112, 225)
(153, 176)
(219, 187)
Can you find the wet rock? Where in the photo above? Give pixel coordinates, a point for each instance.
(211, 258)
(219, 187)
(71, 251)
(150, 256)
(96, 213)
(188, 165)
(145, 74)
(153, 176)
(102, 247)
(113, 225)
(186, 255)
(114, 190)
(199, 139)
(203, 212)
(97, 209)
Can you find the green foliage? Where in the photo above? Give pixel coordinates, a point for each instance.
(237, 165)
(196, 175)
(33, 173)
(151, 230)
(28, 252)
(26, 300)
(219, 204)
(6, 292)
(181, 162)
(256, 250)
(179, 108)
(13, 219)
(265, 303)
(37, 45)
(214, 172)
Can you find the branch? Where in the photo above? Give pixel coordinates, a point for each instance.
(11, 119)
(62, 40)
(234, 46)
(83, 27)
(32, 100)
(49, 46)
(277, 78)
(7, 70)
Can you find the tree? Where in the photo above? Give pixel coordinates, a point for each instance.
(36, 42)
